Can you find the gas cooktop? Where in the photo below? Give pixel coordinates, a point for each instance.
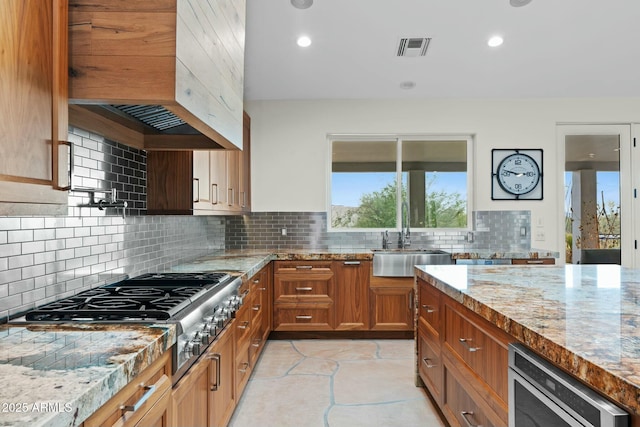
(150, 297)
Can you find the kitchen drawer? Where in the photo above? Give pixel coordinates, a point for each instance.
(303, 288)
(307, 267)
(257, 340)
(462, 406)
(430, 364)
(243, 324)
(243, 366)
(533, 261)
(299, 317)
(429, 307)
(486, 354)
(147, 395)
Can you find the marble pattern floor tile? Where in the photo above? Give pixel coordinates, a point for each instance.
(335, 383)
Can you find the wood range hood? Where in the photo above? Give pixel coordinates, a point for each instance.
(158, 75)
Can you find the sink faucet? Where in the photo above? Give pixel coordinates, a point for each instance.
(405, 232)
(385, 239)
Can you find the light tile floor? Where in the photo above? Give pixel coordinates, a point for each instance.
(335, 383)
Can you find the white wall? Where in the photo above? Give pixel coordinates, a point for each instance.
(289, 147)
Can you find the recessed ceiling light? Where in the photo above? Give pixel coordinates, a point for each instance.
(514, 3)
(302, 4)
(407, 85)
(304, 41)
(495, 41)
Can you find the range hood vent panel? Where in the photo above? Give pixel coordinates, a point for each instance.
(155, 116)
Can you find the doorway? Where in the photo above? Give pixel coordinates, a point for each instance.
(597, 221)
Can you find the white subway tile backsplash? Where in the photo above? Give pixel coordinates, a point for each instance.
(10, 276)
(33, 247)
(19, 236)
(44, 234)
(64, 233)
(63, 254)
(20, 261)
(9, 223)
(27, 223)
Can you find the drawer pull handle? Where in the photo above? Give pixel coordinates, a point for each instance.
(529, 261)
(256, 307)
(428, 363)
(256, 280)
(305, 289)
(465, 417)
(465, 343)
(215, 384)
(304, 267)
(428, 308)
(304, 317)
(244, 325)
(352, 263)
(147, 394)
(263, 289)
(256, 343)
(245, 367)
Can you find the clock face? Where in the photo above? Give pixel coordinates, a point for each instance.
(518, 174)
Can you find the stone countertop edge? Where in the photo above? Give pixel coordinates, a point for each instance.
(610, 384)
(67, 396)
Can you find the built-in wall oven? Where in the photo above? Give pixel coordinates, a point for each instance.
(542, 395)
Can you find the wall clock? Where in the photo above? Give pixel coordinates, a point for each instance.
(516, 174)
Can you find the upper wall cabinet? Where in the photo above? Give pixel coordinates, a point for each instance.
(33, 106)
(162, 74)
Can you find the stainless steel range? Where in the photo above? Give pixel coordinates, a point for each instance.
(199, 304)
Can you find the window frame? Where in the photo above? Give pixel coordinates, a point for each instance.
(399, 138)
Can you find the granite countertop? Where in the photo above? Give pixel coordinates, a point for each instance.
(583, 318)
(58, 375)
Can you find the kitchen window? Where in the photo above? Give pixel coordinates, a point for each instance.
(371, 177)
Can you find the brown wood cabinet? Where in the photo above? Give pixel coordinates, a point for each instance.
(202, 182)
(391, 303)
(352, 294)
(261, 311)
(304, 293)
(462, 360)
(33, 104)
(206, 395)
(154, 385)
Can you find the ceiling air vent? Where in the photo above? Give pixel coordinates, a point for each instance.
(413, 46)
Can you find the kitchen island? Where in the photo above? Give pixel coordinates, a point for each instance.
(582, 318)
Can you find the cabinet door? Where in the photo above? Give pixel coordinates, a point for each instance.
(218, 173)
(391, 308)
(352, 294)
(223, 396)
(190, 398)
(33, 104)
(245, 165)
(202, 194)
(462, 405)
(234, 163)
(170, 183)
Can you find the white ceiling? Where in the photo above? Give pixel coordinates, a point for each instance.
(552, 48)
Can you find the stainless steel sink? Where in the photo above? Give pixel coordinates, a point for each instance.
(400, 262)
